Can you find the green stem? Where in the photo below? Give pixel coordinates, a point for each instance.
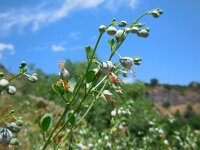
(88, 67)
(87, 111)
(14, 77)
(59, 121)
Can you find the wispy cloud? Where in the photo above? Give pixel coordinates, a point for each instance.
(44, 13)
(116, 4)
(6, 47)
(57, 48)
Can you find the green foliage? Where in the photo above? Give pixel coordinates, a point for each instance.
(46, 122)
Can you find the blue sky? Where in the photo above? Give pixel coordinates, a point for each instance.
(44, 32)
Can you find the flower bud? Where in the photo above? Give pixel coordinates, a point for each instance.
(3, 84)
(134, 30)
(19, 122)
(1, 74)
(143, 33)
(127, 30)
(107, 67)
(5, 136)
(148, 29)
(102, 29)
(126, 62)
(120, 34)
(140, 25)
(23, 64)
(108, 95)
(155, 13)
(32, 78)
(13, 127)
(14, 141)
(11, 90)
(137, 61)
(122, 24)
(111, 30)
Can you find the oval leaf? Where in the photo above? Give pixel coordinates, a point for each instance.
(57, 89)
(46, 122)
(90, 76)
(72, 119)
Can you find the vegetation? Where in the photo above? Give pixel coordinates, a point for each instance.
(88, 107)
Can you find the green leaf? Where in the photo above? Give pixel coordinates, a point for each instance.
(88, 50)
(46, 122)
(72, 83)
(72, 120)
(111, 42)
(58, 89)
(90, 76)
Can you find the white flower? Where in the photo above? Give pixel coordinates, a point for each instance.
(106, 137)
(166, 142)
(113, 113)
(109, 145)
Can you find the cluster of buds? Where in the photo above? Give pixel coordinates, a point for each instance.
(135, 28)
(5, 86)
(10, 89)
(156, 12)
(8, 133)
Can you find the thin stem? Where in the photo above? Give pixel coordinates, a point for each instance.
(88, 67)
(87, 111)
(14, 77)
(59, 121)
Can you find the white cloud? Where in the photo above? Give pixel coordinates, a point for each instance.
(6, 47)
(50, 12)
(128, 80)
(116, 4)
(57, 48)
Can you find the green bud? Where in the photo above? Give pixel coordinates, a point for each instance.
(102, 29)
(23, 64)
(19, 122)
(5, 135)
(143, 33)
(111, 30)
(14, 141)
(11, 90)
(3, 84)
(160, 11)
(32, 78)
(137, 61)
(122, 24)
(1, 74)
(148, 29)
(13, 127)
(12, 112)
(140, 25)
(134, 30)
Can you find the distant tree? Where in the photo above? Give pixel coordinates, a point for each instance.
(166, 104)
(154, 82)
(189, 112)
